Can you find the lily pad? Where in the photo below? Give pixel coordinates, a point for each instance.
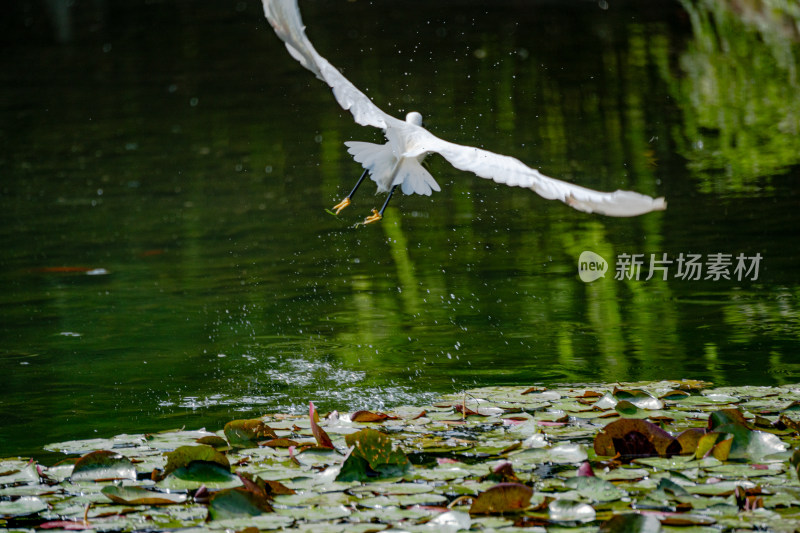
(103, 465)
(22, 506)
(565, 510)
(595, 489)
(502, 498)
(372, 456)
(635, 438)
(140, 496)
(237, 502)
(183, 456)
(244, 433)
(631, 523)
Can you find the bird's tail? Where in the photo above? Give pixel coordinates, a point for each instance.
(379, 159)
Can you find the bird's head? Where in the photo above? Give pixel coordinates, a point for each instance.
(414, 118)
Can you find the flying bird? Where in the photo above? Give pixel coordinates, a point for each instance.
(397, 163)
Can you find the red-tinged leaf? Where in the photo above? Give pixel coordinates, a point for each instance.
(140, 496)
(369, 416)
(502, 473)
(534, 389)
(550, 423)
(70, 525)
(263, 487)
(466, 411)
(323, 439)
(292, 456)
(280, 443)
(445, 460)
(591, 394)
(585, 470)
(502, 498)
(420, 415)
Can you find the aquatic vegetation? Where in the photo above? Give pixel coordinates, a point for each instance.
(632, 457)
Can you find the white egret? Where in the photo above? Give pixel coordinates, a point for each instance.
(398, 162)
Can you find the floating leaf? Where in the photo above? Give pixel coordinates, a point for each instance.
(674, 395)
(372, 456)
(689, 439)
(198, 473)
(596, 489)
(280, 443)
(635, 438)
(504, 472)
(184, 455)
(368, 416)
(238, 502)
(502, 498)
(626, 408)
(22, 506)
(323, 439)
(639, 398)
(140, 496)
(244, 433)
(450, 521)
(215, 441)
(745, 442)
(631, 523)
(103, 465)
(67, 525)
(564, 510)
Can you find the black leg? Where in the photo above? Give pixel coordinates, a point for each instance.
(344, 203)
(377, 215)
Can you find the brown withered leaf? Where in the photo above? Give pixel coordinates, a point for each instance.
(632, 438)
(369, 416)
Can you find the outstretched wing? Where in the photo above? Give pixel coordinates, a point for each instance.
(284, 17)
(511, 171)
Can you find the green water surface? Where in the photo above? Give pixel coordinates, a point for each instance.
(165, 168)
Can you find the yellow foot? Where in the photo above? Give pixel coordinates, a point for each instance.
(341, 205)
(374, 217)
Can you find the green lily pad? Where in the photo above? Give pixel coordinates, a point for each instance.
(372, 455)
(596, 489)
(140, 496)
(237, 502)
(23, 506)
(183, 456)
(103, 465)
(565, 510)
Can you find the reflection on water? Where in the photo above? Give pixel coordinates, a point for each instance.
(177, 153)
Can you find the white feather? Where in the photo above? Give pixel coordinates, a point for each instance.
(398, 161)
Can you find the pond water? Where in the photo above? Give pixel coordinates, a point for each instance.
(167, 258)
